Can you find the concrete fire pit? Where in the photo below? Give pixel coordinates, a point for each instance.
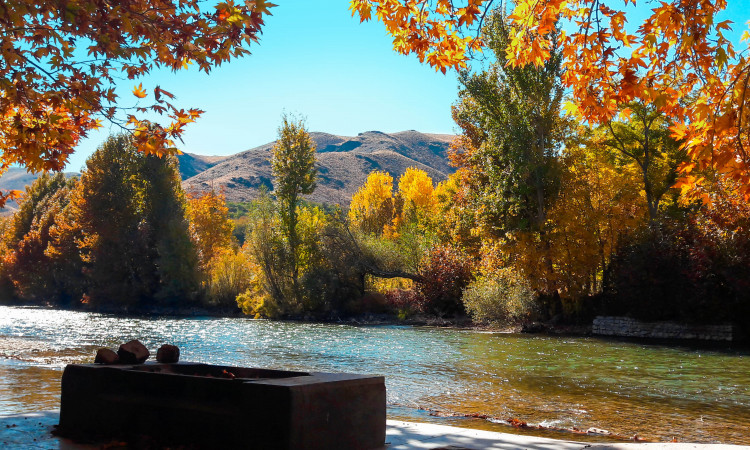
(220, 406)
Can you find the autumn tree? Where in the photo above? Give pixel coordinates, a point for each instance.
(63, 250)
(30, 262)
(373, 207)
(293, 168)
(210, 226)
(678, 59)
(51, 95)
(454, 219)
(599, 205)
(229, 274)
(416, 190)
(445, 272)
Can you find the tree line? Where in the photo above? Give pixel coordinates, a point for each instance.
(545, 218)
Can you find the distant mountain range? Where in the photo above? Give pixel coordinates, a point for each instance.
(343, 165)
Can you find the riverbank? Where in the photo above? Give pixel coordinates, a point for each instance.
(463, 323)
(444, 376)
(365, 319)
(34, 430)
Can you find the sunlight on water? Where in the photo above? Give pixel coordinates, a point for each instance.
(657, 392)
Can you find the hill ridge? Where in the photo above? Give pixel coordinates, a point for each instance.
(343, 162)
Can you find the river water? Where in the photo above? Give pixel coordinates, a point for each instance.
(657, 392)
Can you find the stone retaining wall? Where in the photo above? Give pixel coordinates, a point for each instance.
(627, 327)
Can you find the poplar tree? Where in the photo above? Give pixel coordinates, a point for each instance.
(293, 168)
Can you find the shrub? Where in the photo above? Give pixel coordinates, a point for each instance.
(501, 298)
(257, 304)
(229, 275)
(446, 271)
(685, 272)
(404, 302)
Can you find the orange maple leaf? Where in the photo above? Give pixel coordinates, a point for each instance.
(138, 91)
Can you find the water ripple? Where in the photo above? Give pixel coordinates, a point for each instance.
(659, 392)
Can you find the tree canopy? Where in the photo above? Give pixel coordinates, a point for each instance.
(60, 62)
(678, 59)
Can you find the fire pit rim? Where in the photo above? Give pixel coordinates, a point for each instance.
(154, 368)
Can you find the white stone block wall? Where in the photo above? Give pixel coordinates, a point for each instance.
(627, 327)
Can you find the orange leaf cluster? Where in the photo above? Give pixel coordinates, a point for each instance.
(678, 59)
(60, 62)
(431, 30)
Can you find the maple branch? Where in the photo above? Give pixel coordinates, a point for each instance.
(481, 18)
(741, 102)
(371, 267)
(37, 66)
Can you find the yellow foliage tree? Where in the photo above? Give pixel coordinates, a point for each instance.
(600, 201)
(257, 301)
(454, 218)
(210, 227)
(230, 273)
(417, 192)
(373, 207)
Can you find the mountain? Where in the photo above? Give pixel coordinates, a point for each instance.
(192, 164)
(343, 164)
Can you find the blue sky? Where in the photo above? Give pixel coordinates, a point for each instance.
(317, 61)
(314, 60)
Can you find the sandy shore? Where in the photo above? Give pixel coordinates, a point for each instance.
(33, 430)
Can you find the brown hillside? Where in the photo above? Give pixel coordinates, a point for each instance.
(192, 164)
(343, 164)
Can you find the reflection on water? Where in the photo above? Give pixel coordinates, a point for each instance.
(627, 388)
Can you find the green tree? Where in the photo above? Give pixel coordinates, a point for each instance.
(643, 135)
(109, 205)
(136, 243)
(265, 245)
(293, 168)
(33, 202)
(174, 256)
(512, 132)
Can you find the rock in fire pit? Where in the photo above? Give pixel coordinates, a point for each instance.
(133, 352)
(202, 405)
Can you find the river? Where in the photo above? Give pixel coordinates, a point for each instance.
(657, 392)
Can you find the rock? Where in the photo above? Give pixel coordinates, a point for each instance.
(133, 352)
(598, 431)
(168, 354)
(533, 327)
(106, 356)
